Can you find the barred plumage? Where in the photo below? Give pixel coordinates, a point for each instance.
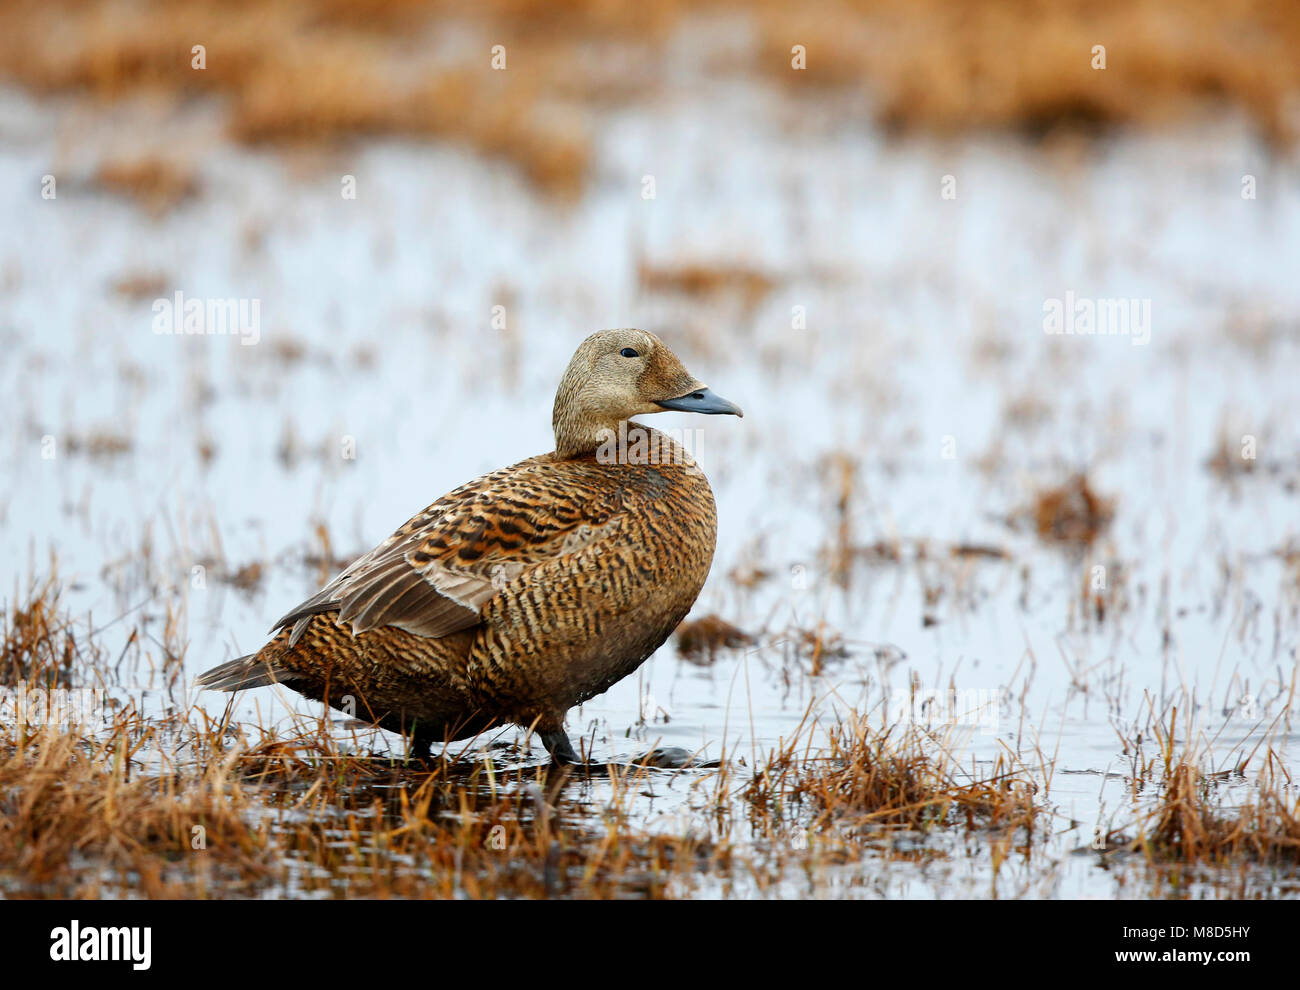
(528, 590)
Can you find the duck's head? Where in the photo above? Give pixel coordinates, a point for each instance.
(617, 374)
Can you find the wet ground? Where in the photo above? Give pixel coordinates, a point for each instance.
(876, 306)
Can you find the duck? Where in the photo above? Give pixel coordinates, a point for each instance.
(529, 590)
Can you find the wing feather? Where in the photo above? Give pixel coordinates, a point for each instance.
(434, 575)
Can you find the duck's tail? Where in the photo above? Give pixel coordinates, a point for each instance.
(243, 673)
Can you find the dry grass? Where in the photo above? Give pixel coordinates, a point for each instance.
(978, 551)
(296, 816)
(100, 444)
(316, 71)
(948, 66)
(1071, 513)
(303, 72)
(70, 799)
(115, 802)
(156, 184)
(249, 577)
(38, 644)
(446, 830)
(701, 279)
(1237, 456)
(142, 286)
(900, 775)
(699, 640)
(1227, 462)
(120, 802)
(1191, 827)
(840, 473)
(811, 647)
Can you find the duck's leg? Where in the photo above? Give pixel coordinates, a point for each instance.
(557, 744)
(550, 727)
(421, 748)
(556, 741)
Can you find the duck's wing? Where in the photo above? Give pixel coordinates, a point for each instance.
(385, 587)
(433, 575)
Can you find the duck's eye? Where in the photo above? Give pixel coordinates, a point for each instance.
(629, 352)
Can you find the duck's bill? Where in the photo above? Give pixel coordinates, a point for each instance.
(702, 401)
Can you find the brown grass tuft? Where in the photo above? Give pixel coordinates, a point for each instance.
(705, 279)
(324, 69)
(38, 645)
(115, 803)
(157, 185)
(813, 646)
(699, 640)
(99, 444)
(1191, 826)
(1072, 512)
(945, 66)
(1236, 457)
(142, 286)
(900, 775)
(313, 72)
(73, 800)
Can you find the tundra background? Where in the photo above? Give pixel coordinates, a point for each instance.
(1006, 598)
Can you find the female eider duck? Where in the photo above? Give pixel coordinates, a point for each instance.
(528, 590)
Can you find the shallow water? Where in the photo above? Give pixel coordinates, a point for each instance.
(924, 359)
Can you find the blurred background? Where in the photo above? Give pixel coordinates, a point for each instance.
(856, 219)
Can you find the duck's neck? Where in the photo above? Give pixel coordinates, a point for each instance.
(579, 431)
(626, 443)
(580, 437)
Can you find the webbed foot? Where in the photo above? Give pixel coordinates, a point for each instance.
(665, 758)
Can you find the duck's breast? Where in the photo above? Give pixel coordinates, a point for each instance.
(570, 628)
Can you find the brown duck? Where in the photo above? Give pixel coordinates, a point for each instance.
(528, 590)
